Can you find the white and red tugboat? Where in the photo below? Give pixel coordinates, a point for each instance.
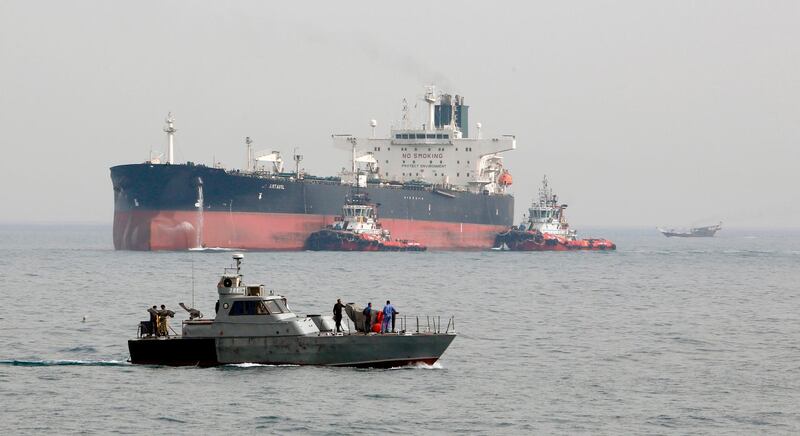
(358, 229)
(547, 229)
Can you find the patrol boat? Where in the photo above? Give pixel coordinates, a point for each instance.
(358, 229)
(253, 326)
(547, 229)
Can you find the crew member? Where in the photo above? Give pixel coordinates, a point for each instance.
(337, 314)
(367, 318)
(388, 314)
(153, 311)
(163, 328)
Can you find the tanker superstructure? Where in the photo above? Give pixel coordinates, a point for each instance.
(434, 184)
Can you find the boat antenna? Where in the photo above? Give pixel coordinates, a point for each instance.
(192, 279)
(353, 143)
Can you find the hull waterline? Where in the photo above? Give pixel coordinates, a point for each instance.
(182, 230)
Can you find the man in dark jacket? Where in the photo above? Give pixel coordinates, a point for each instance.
(367, 318)
(337, 314)
(153, 320)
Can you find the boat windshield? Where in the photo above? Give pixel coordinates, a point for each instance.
(541, 214)
(251, 307)
(273, 306)
(282, 305)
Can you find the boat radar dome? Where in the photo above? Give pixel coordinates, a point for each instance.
(238, 258)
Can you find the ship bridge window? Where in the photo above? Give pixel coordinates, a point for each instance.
(397, 136)
(282, 305)
(446, 136)
(405, 136)
(420, 136)
(431, 136)
(252, 307)
(273, 306)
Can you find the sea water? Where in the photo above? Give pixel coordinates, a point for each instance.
(663, 336)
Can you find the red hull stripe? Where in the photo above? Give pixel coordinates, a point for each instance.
(181, 230)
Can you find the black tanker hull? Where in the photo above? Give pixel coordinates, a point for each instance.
(175, 207)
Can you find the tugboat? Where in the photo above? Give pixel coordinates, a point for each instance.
(694, 232)
(358, 229)
(252, 326)
(547, 229)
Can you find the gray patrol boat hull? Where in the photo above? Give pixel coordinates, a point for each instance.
(373, 351)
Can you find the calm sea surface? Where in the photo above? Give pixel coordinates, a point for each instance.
(664, 336)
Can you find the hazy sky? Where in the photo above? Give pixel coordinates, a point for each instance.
(641, 113)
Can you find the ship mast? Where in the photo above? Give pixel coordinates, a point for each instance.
(297, 158)
(430, 98)
(249, 143)
(170, 129)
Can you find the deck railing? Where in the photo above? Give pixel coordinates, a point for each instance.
(412, 324)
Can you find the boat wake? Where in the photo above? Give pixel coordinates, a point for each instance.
(420, 365)
(215, 249)
(62, 362)
(255, 365)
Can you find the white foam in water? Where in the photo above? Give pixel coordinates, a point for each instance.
(254, 365)
(420, 365)
(247, 365)
(62, 362)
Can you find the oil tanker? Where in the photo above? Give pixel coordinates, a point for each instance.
(434, 184)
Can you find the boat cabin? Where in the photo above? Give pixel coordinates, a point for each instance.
(359, 216)
(248, 310)
(547, 216)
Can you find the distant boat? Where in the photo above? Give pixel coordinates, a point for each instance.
(694, 232)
